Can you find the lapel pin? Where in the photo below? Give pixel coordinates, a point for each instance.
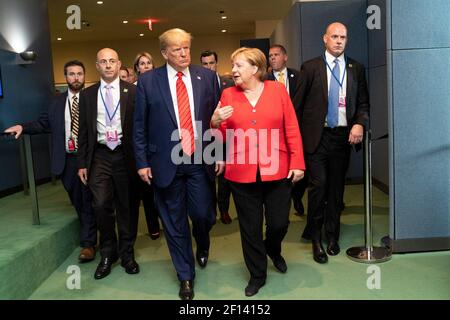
(125, 90)
(199, 78)
(350, 65)
(292, 75)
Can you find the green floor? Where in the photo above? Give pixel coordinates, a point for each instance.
(406, 276)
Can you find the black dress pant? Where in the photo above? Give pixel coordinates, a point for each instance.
(140, 190)
(109, 182)
(81, 198)
(223, 194)
(327, 168)
(298, 191)
(254, 202)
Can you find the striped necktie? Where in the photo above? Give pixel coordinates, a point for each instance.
(75, 114)
(184, 113)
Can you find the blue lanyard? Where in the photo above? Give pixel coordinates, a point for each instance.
(106, 108)
(341, 83)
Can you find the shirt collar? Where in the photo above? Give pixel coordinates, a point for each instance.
(284, 70)
(330, 58)
(173, 73)
(115, 84)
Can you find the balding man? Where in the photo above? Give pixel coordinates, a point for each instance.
(333, 111)
(174, 105)
(106, 162)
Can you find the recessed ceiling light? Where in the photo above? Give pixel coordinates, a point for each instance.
(224, 17)
(59, 39)
(99, 2)
(224, 30)
(141, 35)
(125, 21)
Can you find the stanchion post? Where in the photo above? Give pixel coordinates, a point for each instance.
(368, 253)
(30, 173)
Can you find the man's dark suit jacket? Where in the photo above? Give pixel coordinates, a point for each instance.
(87, 140)
(52, 121)
(294, 84)
(225, 82)
(155, 119)
(313, 99)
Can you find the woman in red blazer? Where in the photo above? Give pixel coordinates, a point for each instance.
(264, 158)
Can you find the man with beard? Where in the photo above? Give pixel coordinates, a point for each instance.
(62, 119)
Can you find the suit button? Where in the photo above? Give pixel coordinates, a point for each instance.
(253, 121)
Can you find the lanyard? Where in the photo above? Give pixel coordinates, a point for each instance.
(106, 108)
(341, 83)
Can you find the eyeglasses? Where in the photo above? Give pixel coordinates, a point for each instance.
(103, 62)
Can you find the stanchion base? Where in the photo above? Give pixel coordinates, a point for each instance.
(364, 255)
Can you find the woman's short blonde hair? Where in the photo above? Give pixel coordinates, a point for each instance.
(138, 57)
(255, 57)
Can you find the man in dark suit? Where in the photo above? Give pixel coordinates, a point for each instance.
(333, 112)
(290, 78)
(106, 160)
(61, 119)
(209, 60)
(169, 101)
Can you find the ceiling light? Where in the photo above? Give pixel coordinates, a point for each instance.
(224, 17)
(99, 2)
(223, 30)
(141, 35)
(125, 21)
(59, 39)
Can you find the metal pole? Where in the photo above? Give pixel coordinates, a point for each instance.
(30, 173)
(368, 253)
(23, 167)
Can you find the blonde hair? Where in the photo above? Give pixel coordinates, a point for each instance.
(168, 37)
(255, 57)
(138, 57)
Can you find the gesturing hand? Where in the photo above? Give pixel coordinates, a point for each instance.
(221, 114)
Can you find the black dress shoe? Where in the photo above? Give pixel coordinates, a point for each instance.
(319, 253)
(279, 263)
(186, 290)
(333, 248)
(104, 268)
(299, 208)
(155, 234)
(251, 289)
(131, 266)
(202, 257)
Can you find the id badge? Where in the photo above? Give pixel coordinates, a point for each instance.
(342, 102)
(111, 134)
(71, 145)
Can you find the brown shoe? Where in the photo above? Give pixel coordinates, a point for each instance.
(87, 254)
(225, 218)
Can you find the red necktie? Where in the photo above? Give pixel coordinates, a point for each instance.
(184, 113)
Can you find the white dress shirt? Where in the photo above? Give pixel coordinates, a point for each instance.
(101, 110)
(172, 76)
(342, 122)
(285, 76)
(68, 116)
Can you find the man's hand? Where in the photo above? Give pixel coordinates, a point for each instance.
(296, 175)
(15, 130)
(82, 173)
(356, 134)
(220, 167)
(146, 175)
(221, 114)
